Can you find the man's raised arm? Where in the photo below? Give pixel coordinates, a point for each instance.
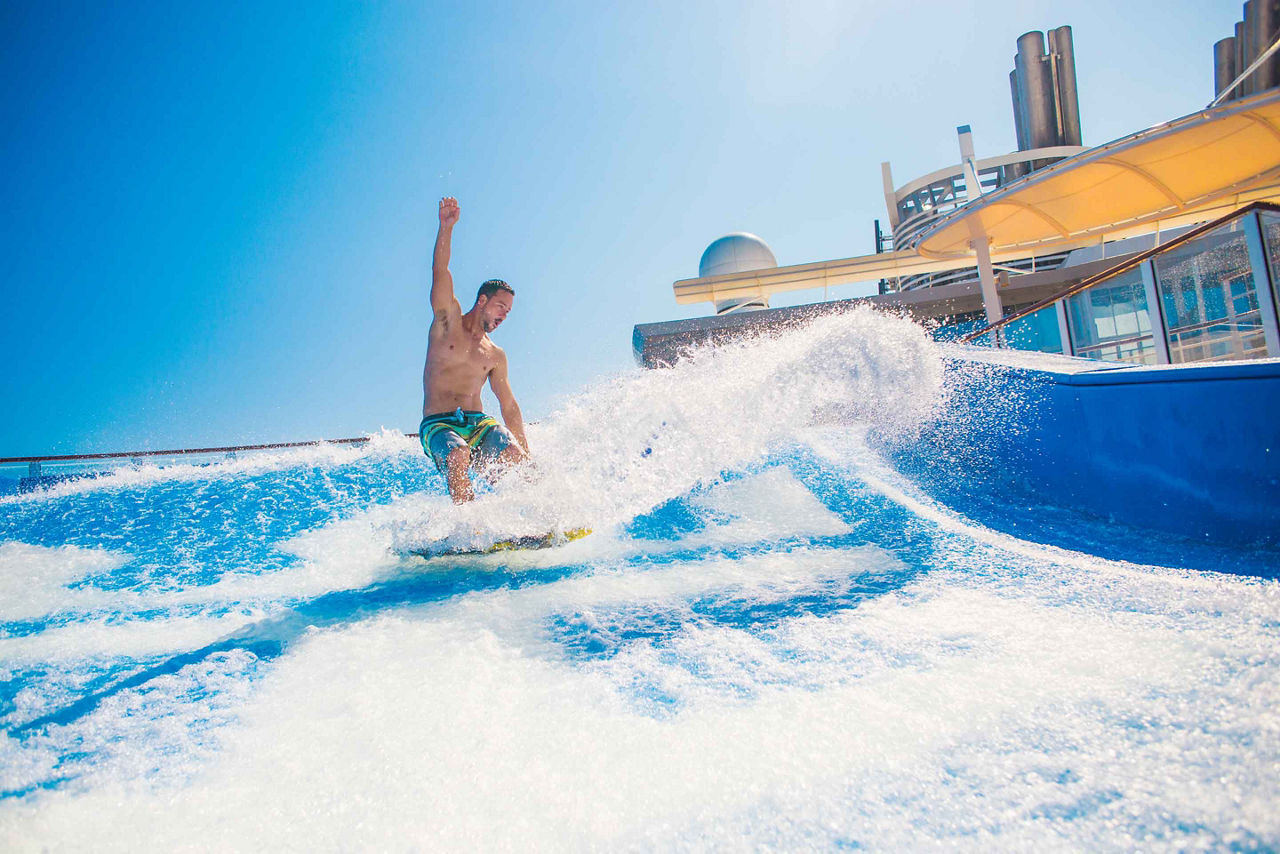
(442, 297)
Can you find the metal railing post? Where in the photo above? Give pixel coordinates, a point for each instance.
(1263, 281)
(1155, 312)
(1064, 328)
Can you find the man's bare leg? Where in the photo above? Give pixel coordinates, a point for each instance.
(509, 457)
(512, 455)
(456, 475)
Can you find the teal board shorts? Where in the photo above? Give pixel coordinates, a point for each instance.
(444, 432)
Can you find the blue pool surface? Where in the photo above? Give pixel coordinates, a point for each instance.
(775, 638)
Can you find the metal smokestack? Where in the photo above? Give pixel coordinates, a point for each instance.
(1046, 103)
(1248, 53)
(1063, 52)
(1232, 55)
(1224, 65)
(1019, 110)
(1035, 87)
(1242, 62)
(1014, 171)
(1261, 17)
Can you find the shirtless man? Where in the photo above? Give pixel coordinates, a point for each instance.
(455, 433)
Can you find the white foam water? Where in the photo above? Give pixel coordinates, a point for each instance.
(34, 579)
(762, 679)
(625, 445)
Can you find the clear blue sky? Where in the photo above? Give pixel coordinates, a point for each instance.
(218, 217)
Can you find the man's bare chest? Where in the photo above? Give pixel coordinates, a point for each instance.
(456, 351)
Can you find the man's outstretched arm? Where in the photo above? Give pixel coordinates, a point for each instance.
(507, 401)
(442, 296)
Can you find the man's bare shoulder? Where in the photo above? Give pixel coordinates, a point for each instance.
(447, 319)
(496, 357)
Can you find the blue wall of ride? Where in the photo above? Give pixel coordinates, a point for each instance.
(1190, 450)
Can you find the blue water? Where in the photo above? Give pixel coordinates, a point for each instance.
(772, 639)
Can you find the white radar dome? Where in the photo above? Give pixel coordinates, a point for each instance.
(737, 253)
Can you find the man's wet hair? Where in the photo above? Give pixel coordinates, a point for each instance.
(491, 287)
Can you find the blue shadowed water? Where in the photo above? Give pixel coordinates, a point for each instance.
(770, 640)
(221, 524)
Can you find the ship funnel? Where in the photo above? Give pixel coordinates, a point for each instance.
(1233, 55)
(1046, 105)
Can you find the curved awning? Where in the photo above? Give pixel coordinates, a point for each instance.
(1182, 171)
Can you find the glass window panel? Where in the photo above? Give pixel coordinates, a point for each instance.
(1215, 305)
(1193, 280)
(1144, 317)
(1038, 331)
(1110, 321)
(1169, 305)
(1190, 300)
(1243, 298)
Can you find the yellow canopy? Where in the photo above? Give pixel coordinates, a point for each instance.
(1187, 170)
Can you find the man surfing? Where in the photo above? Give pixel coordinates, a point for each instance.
(455, 432)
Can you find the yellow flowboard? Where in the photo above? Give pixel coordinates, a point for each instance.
(549, 540)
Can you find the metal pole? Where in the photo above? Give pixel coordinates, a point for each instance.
(1263, 277)
(1155, 312)
(1064, 328)
(973, 189)
(890, 197)
(987, 278)
(973, 186)
(1240, 83)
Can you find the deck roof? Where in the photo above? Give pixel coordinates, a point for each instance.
(1184, 171)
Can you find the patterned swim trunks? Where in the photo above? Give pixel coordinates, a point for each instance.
(443, 432)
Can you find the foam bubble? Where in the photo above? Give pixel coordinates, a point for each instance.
(106, 637)
(34, 579)
(769, 506)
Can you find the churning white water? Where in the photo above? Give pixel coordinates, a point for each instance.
(772, 640)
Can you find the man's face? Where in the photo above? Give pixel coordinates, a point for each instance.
(494, 309)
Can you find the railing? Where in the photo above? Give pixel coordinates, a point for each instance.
(970, 274)
(1244, 333)
(923, 201)
(1128, 264)
(1128, 349)
(35, 461)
